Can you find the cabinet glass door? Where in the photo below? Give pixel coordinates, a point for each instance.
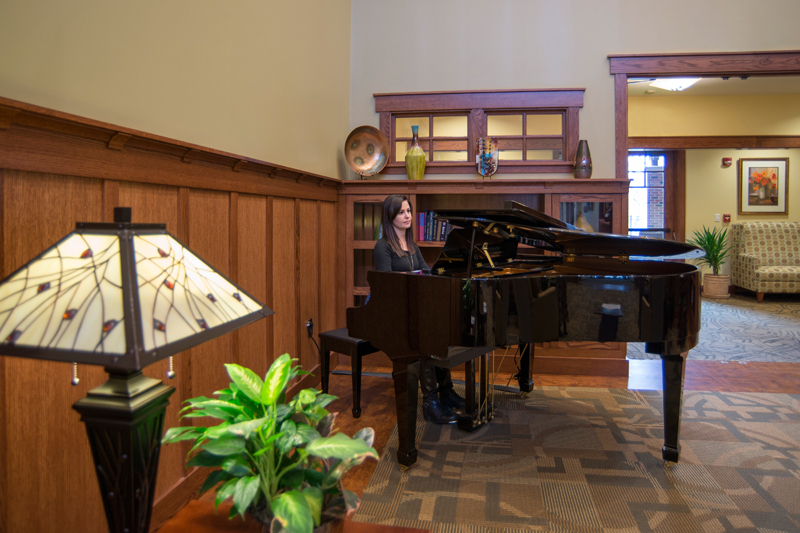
(595, 217)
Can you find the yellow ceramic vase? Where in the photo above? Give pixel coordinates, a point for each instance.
(415, 157)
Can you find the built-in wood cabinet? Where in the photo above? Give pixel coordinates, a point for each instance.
(360, 208)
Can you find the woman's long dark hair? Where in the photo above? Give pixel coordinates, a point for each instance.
(391, 206)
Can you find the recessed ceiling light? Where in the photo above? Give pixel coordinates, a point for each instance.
(674, 84)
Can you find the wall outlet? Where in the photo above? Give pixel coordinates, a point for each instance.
(716, 217)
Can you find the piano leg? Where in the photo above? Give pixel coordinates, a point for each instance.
(525, 376)
(477, 411)
(406, 381)
(672, 372)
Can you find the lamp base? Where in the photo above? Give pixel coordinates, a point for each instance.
(124, 420)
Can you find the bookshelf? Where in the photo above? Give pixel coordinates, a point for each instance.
(360, 206)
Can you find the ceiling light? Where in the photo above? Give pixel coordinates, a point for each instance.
(674, 84)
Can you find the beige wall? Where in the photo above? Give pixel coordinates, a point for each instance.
(259, 78)
(763, 114)
(418, 45)
(712, 189)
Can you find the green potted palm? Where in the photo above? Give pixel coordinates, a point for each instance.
(712, 242)
(280, 461)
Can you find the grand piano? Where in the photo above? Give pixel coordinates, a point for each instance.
(515, 276)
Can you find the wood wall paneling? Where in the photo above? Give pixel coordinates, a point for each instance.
(253, 272)
(328, 259)
(157, 204)
(307, 279)
(244, 222)
(208, 235)
(621, 125)
(283, 266)
(47, 454)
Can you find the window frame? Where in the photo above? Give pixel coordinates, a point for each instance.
(476, 105)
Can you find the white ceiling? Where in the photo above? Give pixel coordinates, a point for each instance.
(718, 86)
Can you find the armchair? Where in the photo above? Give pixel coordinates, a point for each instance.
(766, 257)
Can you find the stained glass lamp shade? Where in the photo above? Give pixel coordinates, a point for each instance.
(119, 295)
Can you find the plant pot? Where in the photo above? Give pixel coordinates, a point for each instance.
(331, 526)
(716, 286)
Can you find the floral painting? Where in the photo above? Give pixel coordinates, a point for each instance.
(763, 186)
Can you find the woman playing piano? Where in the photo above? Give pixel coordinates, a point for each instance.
(396, 251)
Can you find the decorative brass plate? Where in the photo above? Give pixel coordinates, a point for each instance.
(366, 150)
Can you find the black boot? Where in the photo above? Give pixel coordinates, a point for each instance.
(432, 408)
(447, 395)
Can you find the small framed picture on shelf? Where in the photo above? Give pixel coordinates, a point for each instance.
(763, 186)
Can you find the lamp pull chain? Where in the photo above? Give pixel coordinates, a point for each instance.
(75, 379)
(171, 371)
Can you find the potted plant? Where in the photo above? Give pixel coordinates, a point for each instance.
(281, 461)
(712, 242)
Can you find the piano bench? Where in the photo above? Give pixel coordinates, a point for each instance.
(339, 341)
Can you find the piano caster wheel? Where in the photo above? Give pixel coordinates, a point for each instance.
(670, 454)
(356, 413)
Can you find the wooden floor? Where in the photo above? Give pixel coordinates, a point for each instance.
(377, 393)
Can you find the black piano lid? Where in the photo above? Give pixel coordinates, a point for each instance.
(539, 230)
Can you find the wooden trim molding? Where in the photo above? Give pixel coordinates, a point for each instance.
(38, 139)
(785, 62)
(707, 64)
(466, 100)
(476, 104)
(718, 141)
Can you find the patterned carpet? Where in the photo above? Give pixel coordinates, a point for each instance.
(739, 329)
(579, 460)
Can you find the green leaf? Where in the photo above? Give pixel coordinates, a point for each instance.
(225, 446)
(313, 496)
(313, 477)
(233, 512)
(351, 498)
(205, 459)
(290, 438)
(245, 492)
(247, 381)
(225, 491)
(244, 429)
(292, 511)
(340, 446)
(293, 478)
(324, 399)
(228, 407)
(325, 426)
(178, 434)
(367, 435)
(213, 478)
(306, 396)
(237, 466)
(282, 412)
(712, 242)
(214, 412)
(276, 379)
(307, 434)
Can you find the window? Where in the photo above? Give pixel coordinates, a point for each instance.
(646, 194)
(537, 130)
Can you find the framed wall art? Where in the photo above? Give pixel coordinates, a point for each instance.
(763, 186)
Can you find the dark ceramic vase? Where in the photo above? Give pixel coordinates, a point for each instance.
(583, 161)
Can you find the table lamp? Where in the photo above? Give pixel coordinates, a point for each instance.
(123, 296)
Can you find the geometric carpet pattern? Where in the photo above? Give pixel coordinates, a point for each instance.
(575, 460)
(740, 329)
